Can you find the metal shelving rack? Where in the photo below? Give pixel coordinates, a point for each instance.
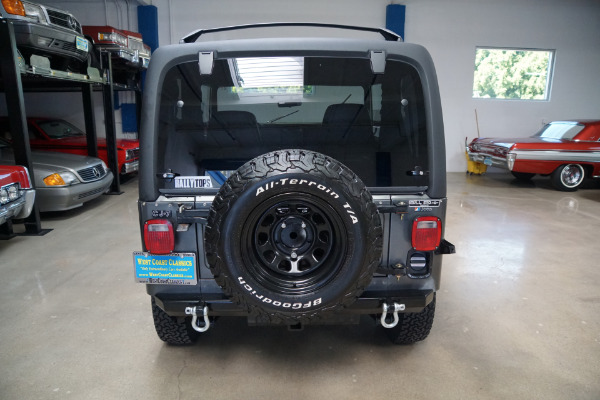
(17, 77)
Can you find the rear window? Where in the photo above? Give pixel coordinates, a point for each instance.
(558, 130)
(209, 125)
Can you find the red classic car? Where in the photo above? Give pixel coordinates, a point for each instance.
(16, 194)
(52, 134)
(568, 151)
(124, 45)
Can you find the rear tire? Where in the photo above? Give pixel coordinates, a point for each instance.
(413, 327)
(176, 331)
(568, 177)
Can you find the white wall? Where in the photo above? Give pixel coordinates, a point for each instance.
(449, 29)
(451, 33)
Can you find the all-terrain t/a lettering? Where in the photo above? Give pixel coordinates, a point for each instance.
(283, 181)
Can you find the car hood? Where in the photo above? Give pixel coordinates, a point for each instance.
(13, 173)
(78, 141)
(54, 159)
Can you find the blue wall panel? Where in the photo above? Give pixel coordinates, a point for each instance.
(148, 25)
(129, 117)
(395, 15)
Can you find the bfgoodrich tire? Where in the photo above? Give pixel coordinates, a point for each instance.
(173, 330)
(413, 327)
(293, 235)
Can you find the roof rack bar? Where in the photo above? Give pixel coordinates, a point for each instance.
(387, 34)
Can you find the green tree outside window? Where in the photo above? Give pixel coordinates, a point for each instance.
(512, 74)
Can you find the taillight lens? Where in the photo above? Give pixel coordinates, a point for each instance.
(158, 236)
(426, 233)
(510, 160)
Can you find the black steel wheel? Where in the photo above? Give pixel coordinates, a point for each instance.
(292, 235)
(294, 244)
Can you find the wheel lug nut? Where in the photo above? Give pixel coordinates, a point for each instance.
(283, 225)
(303, 225)
(294, 255)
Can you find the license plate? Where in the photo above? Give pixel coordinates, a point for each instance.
(487, 161)
(81, 43)
(169, 269)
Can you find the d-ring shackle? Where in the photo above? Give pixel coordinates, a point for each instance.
(396, 308)
(195, 319)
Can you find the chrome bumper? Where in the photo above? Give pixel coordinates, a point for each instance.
(20, 208)
(130, 167)
(490, 161)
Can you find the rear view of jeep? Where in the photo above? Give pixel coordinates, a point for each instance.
(292, 182)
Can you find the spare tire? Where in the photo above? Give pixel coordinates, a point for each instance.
(293, 235)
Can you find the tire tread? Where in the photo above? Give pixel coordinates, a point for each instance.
(173, 330)
(413, 327)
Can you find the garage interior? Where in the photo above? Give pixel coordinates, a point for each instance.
(517, 313)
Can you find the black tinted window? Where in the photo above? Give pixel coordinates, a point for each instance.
(211, 124)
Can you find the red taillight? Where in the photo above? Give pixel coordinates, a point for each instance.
(158, 236)
(426, 233)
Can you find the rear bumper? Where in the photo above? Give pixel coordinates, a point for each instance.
(488, 160)
(369, 303)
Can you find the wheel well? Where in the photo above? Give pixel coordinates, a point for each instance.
(587, 168)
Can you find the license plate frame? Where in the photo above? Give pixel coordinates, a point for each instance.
(167, 269)
(81, 43)
(488, 161)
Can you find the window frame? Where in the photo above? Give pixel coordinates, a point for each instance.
(549, 75)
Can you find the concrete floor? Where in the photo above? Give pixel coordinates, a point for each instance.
(517, 317)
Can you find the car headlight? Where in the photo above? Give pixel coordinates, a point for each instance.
(3, 196)
(112, 37)
(34, 11)
(62, 179)
(13, 193)
(129, 154)
(9, 193)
